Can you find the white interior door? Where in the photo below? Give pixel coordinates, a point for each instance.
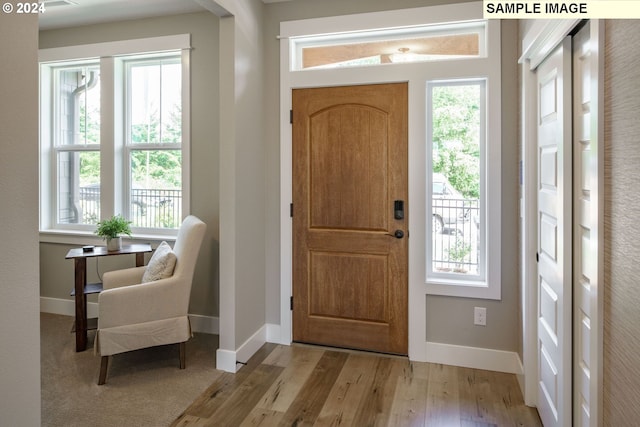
(554, 237)
(586, 220)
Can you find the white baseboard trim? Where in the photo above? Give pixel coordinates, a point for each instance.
(205, 324)
(67, 307)
(229, 361)
(226, 361)
(253, 344)
(274, 334)
(474, 357)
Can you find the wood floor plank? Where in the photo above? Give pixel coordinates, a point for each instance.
(218, 392)
(189, 421)
(305, 409)
(300, 364)
(410, 401)
(506, 386)
(241, 402)
(466, 394)
(504, 398)
(420, 370)
(375, 407)
(470, 423)
(348, 391)
(260, 417)
(475, 392)
(215, 395)
(443, 405)
(281, 355)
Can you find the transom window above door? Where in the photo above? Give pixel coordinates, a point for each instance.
(390, 46)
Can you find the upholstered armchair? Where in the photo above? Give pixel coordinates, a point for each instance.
(147, 306)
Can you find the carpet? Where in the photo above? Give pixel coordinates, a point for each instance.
(144, 387)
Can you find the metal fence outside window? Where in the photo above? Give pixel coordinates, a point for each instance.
(150, 208)
(455, 236)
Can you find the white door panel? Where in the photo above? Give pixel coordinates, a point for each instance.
(554, 237)
(585, 232)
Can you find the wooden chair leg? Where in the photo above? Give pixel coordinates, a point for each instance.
(182, 355)
(104, 364)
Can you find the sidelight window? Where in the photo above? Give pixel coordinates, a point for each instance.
(456, 125)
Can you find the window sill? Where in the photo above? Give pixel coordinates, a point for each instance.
(463, 289)
(82, 238)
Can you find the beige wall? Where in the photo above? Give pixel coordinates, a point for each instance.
(448, 320)
(622, 234)
(56, 273)
(19, 308)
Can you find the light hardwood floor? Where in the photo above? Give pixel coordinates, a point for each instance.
(313, 386)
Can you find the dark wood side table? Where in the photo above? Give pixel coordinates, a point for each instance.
(81, 289)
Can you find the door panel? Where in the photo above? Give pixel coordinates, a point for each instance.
(554, 237)
(349, 286)
(348, 181)
(349, 166)
(585, 234)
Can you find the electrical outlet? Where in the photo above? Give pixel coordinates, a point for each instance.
(480, 316)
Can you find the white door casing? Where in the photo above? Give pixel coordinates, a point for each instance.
(554, 237)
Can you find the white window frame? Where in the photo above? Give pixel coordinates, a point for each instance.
(488, 284)
(113, 170)
(417, 74)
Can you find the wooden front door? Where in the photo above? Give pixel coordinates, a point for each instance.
(350, 217)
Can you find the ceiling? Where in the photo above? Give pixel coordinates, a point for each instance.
(70, 13)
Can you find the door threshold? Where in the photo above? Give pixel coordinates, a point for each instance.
(348, 350)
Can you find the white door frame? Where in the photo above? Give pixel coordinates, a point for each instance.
(542, 37)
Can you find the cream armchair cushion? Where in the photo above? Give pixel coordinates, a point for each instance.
(134, 315)
(160, 265)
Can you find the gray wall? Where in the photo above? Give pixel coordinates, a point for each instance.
(242, 174)
(250, 171)
(622, 235)
(56, 273)
(449, 320)
(19, 308)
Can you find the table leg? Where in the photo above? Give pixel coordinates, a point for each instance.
(81, 303)
(139, 259)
